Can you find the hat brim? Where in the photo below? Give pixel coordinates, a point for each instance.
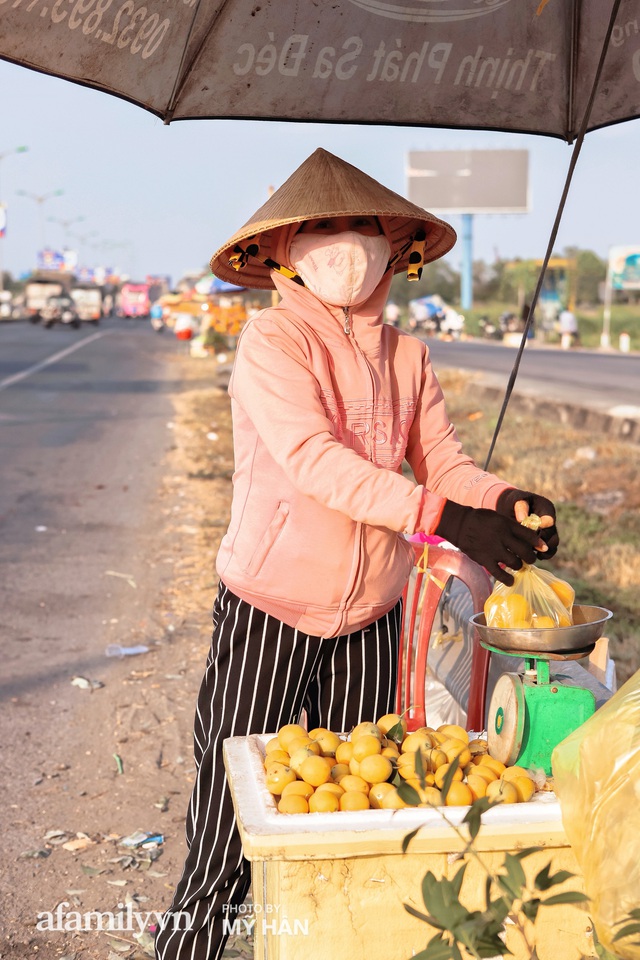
(326, 186)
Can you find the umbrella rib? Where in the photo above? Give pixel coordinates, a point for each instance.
(554, 230)
(182, 73)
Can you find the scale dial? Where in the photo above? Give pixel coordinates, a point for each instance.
(505, 722)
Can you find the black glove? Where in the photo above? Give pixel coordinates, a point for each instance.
(538, 505)
(488, 538)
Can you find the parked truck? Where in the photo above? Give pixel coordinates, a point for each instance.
(40, 287)
(88, 300)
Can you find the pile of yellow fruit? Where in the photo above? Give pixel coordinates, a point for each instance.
(320, 772)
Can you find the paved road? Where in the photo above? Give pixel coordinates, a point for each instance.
(607, 382)
(83, 430)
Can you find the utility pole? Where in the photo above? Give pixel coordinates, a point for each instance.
(3, 209)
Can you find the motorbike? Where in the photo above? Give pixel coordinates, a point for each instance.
(59, 310)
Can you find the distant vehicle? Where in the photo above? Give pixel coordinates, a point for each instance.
(59, 309)
(88, 301)
(38, 291)
(433, 315)
(134, 300)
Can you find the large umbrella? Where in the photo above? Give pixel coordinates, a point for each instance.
(517, 65)
(554, 67)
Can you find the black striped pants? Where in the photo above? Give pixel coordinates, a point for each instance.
(261, 674)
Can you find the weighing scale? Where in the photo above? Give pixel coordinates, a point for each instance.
(531, 712)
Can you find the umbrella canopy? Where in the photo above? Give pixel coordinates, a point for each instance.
(516, 65)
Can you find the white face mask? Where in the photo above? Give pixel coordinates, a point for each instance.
(341, 269)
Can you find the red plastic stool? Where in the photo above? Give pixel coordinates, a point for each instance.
(443, 563)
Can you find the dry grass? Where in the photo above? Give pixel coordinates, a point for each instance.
(595, 483)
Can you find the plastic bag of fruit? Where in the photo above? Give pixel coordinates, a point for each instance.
(536, 599)
(596, 772)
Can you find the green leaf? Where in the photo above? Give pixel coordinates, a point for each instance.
(409, 794)
(416, 913)
(456, 882)
(409, 837)
(455, 952)
(448, 777)
(437, 949)
(396, 733)
(487, 891)
(514, 879)
(499, 909)
(571, 896)
(419, 766)
(627, 931)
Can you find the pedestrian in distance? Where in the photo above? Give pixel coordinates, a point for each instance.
(328, 401)
(568, 325)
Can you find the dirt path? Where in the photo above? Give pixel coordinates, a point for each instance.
(122, 760)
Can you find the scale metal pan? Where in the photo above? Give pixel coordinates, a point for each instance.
(588, 626)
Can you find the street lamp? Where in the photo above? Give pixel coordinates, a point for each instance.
(40, 199)
(83, 238)
(5, 153)
(65, 224)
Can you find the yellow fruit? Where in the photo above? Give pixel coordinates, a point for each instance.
(459, 795)
(366, 729)
(512, 772)
(477, 785)
(339, 771)
(375, 769)
(350, 784)
(277, 756)
(354, 800)
(344, 752)
(330, 787)
(354, 767)
(432, 797)
(456, 748)
(299, 756)
(485, 772)
(420, 790)
(327, 741)
(543, 623)
(392, 801)
(377, 792)
(502, 791)
(417, 741)
(391, 751)
(365, 746)
(516, 610)
(298, 787)
(496, 765)
(454, 730)
(438, 738)
(564, 591)
(391, 720)
(297, 743)
(288, 733)
(525, 788)
(278, 776)
(324, 802)
(437, 758)
(271, 745)
(441, 773)
(564, 621)
(314, 770)
(293, 803)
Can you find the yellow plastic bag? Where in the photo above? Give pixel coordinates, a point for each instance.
(596, 771)
(537, 598)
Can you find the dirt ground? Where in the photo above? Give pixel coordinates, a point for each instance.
(63, 833)
(64, 824)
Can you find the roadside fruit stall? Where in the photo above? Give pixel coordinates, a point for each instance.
(329, 876)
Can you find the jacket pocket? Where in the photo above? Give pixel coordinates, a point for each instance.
(268, 539)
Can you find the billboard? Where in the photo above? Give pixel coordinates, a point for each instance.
(624, 268)
(469, 181)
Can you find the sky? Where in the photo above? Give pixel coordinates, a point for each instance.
(147, 198)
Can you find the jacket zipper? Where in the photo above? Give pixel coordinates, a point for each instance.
(347, 321)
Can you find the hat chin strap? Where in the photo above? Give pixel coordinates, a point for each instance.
(416, 244)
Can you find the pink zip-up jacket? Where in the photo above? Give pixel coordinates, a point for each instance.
(325, 410)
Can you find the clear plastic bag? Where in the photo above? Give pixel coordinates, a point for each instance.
(537, 598)
(596, 771)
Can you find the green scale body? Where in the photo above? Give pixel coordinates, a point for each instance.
(531, 713)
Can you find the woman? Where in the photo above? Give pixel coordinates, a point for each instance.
(327, 402)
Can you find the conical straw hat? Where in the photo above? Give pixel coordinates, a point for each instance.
(326, 186)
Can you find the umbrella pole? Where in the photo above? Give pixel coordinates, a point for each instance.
(554, 230)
